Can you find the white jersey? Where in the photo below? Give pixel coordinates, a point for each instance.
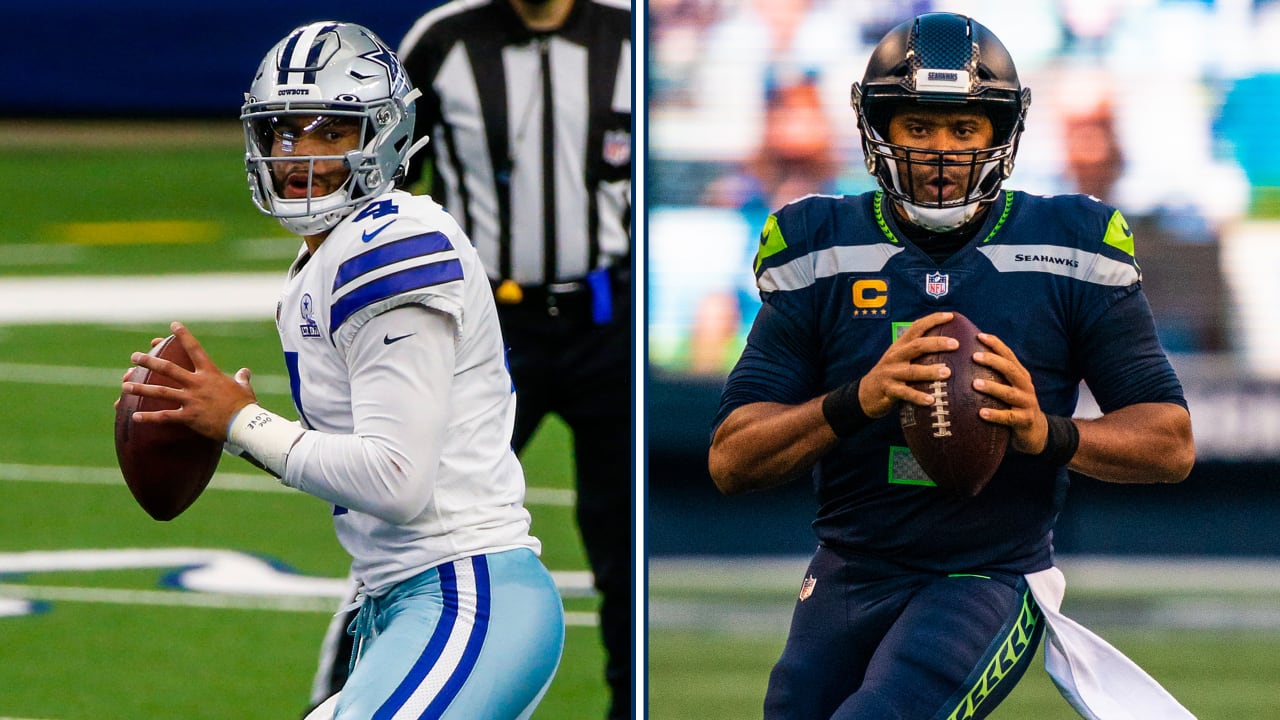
(396, 363)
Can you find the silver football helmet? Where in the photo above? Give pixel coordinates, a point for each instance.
(322, 73)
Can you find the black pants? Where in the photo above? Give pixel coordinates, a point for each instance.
(563, 362)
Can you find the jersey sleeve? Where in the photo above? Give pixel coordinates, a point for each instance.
(421, 53)
(780, 362)
(1123, 361)
(1115, 341)
(401, 372)
(418, 264)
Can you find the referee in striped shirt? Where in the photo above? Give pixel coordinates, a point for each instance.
(528, 106)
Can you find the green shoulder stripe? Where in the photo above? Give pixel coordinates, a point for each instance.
(771, 241)
(1119, 235)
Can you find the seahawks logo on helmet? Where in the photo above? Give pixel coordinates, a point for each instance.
(941, 59)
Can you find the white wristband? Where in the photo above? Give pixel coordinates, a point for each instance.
(264, 436)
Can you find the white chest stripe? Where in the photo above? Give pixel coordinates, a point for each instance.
(1058, 260)
(803, 271)
(1053, 259)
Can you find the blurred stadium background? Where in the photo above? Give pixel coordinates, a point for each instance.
(125, 207)
(120, 162)
(1164, 108)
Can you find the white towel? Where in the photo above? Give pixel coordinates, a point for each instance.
(1095, 678)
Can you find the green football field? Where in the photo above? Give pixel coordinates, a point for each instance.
(102, 610)
(94, 623)
(1208, 630)
(110, 636)
(1214, 674)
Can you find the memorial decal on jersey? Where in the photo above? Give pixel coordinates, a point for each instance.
(308, 326)
(937, 284)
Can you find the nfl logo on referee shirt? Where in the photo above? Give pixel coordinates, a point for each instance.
(806, 587)
(937, 284)
(617, 147)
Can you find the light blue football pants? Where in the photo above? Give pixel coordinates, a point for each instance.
(479, 638)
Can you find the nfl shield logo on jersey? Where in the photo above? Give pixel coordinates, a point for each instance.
(806, 587)
(937, 284)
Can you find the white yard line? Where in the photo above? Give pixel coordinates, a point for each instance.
(250, 482)
(138, 298)
(1085, 573)
(77, 376)
(199, 577)
(175, 598)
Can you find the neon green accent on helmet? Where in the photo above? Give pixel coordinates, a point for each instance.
(771, 241)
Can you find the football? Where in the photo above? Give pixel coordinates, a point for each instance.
(956, 448)
(165, 465)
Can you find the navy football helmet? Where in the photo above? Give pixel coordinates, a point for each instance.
(940, 60)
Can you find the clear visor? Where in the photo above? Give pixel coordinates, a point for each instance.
(280, 134)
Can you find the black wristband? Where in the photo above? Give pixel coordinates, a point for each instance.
(843, 410)
(1062, 441)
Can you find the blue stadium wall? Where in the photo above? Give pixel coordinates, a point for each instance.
(84, 58)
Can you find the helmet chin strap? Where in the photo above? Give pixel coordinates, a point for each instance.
(939, 219)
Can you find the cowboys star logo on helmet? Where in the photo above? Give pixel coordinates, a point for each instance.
(323, 74)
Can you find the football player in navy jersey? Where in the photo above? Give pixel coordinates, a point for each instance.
(395, 359)
(915, 604)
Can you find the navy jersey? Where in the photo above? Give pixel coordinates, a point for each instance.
(1055, 278)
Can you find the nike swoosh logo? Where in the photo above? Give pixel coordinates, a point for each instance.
(371, 234)
(387, 339)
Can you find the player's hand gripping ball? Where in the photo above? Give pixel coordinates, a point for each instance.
(165, 465)
(957, 449)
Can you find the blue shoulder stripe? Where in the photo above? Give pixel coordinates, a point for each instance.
(393, 252)
(415, 278)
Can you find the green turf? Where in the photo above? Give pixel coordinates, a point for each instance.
(92, 660)
(1214, 673)
(198, 185)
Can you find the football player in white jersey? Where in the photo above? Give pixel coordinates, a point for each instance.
(406, 408)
